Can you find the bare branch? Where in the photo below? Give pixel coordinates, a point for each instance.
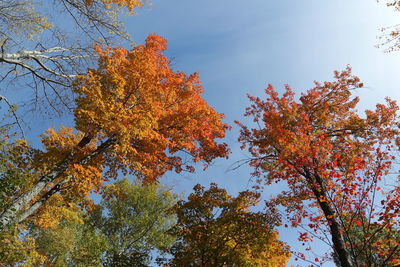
(12, 109)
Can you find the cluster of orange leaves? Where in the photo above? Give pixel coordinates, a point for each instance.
(129, 4)
(154, 111)
(81, 179)
(156, 116)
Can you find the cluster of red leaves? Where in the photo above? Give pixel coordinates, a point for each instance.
(326, 153)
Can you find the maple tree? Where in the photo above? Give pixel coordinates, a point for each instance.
(135, 115)
(215, 229)
(333, 160)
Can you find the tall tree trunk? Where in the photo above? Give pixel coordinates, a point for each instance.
(335, 227)
(23, 207)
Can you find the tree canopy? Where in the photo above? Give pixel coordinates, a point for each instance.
(215, 229)
(129, 224)
(331, 158)
(133, 115)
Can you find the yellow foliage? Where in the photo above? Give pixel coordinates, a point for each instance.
(129, 4)
(13, 250)
(54, 211)
(215, 229)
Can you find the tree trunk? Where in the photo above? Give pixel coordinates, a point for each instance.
(336, 229)
(18, 212)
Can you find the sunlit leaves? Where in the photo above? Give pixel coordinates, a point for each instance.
(55, 211)
(131, 221)
(13, 250)
(215, 229)
(19, 17)
(154, 111)
(134, 218)
(129, 4)
(326, 152)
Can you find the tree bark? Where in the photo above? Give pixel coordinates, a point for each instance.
(336, 229)
(17, 211)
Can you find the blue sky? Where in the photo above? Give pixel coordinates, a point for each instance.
(238, 47)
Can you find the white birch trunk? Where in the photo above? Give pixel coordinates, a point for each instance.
(22, 207)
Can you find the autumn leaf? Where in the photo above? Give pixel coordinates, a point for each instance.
(330, 157)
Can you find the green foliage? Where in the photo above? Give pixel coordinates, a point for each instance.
(130, 222)
(71, 244)
(134, 220)
(16, 174)
(18, 250)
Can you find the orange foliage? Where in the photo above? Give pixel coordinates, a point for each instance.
(154, 111)
(129, 4)
(326, 153)
(81, 179)
(134, 114)
(153, 115)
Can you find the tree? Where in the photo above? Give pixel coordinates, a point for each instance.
(17, 252)
(40, 52)
(15, 165)
(370, 242)
(14, 177)
(134, 219)
(215, 229)
(69, 243)
(332, 160)
(133, 114)
(129, 223)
